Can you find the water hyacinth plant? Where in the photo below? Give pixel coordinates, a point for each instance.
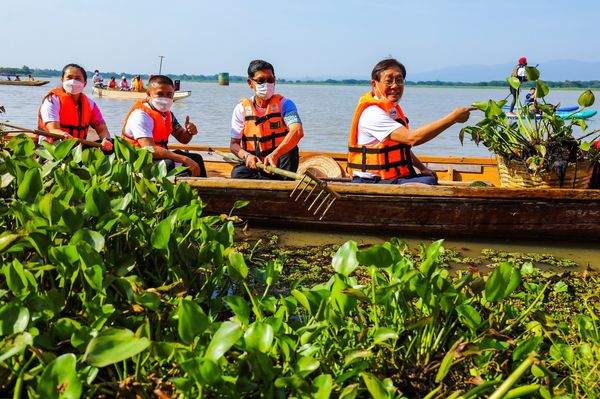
(537, 136)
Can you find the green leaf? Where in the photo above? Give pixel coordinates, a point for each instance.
(306, 365)
(541, 89)
(192, 321)
(7, 238)
(355, 355)
(63, 148)
(469, 316)
(259, 337)
(532, 73)
(376, 255)
(562, 351)
(586, 99)
(240, 308)
(60, 379)
(524, 348)
(375, 387)
(19, 344)
(502, 282)
(225, 337)
(112, 346)
(345, 261)
(240, 204)
(30, 186)
(13, 319)
(236, 267)
(384, 334)
(51, 207)
(162, 234)
(97, 202)
(324, 385)
(514, 82)
(95, 239)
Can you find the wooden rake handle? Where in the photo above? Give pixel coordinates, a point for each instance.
(51, 135)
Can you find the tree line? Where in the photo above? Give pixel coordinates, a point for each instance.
(584, 84)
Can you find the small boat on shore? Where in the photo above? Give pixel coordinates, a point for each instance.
(133, 95)
(24, 82)
(452, 209)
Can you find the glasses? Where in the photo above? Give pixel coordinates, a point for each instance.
(390, 82)
(262, 81)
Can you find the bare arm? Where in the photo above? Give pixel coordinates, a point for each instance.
(163, 153)
(425, 133)
(289, 142)
(184, 134)
(421, 166)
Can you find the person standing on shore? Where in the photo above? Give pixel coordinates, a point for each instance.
(380, 145)
(150, 123)
(520, 73)
(265, 127)
(69, 112)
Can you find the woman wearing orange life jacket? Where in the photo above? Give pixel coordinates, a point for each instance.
(68, 111)
(379, 149)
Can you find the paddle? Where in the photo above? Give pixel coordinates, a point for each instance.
(49, 134)
(306, 180)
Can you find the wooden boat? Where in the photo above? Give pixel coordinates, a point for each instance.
(453, 209)
(134, 95)
(24, 82)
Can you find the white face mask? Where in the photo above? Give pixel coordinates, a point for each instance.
(265, 90)
(162, 104)
(73, 86)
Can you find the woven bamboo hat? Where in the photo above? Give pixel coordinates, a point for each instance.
(320, 166)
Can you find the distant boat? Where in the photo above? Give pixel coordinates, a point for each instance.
(588, 113)
(134, 95)
(570, 108)
(24, 82)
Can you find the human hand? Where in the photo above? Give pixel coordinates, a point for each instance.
(190, 128)
(272, 159)
(461, 114)
(428, 172)
(106, 145)
(67, 136)
(192, 166)
(251, 161)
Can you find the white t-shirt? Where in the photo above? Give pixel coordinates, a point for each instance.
(139, 124)
(521, 72)
(374, 126)
(50, 111)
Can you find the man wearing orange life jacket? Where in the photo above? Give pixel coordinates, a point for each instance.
(265, 128)
(379, 149)
(68, 111)
(150, 123)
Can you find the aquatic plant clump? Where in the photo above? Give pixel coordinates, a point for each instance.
(115, 284)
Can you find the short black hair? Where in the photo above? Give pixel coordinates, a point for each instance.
(259, 65)
(68, 66)
(386, 64)
(161, 79)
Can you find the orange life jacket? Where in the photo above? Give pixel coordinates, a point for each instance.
(74, 118)
(263, 134)
(388, 159)
(163, 127)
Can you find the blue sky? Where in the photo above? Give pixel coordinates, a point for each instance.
(303, 38)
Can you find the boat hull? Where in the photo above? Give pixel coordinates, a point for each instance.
(437, 212)
(133, 95)
(24, 82)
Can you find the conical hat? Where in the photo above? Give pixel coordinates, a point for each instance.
(320, 166)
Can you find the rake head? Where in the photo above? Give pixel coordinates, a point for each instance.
(309, 184)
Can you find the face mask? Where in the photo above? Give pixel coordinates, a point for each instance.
(162, 104)
(73, 86)
(265, 90)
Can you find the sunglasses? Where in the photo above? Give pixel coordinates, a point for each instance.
(262, 81)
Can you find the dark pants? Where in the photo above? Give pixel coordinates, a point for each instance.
(425, 179)
(595, 183)
(192, 155)
(288, 161)
(515, 95)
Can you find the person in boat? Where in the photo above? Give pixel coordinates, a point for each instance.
(67, 111)
(265, 127)
(150, 123)
(381, 141)
(17, 78)
(112, 83)
(137, 84)
(520, 73)
(31, 78)
(530, 97)
(8, 77)
(97, 79)
(124, 84)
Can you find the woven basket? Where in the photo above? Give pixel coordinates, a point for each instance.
(516, 175)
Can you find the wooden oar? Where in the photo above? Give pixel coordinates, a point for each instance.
(49, 134)
(304, 182)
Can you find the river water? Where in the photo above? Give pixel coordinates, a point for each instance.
(326, 112)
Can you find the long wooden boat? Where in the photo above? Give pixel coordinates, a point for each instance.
(453, 209)
(134, 95)
(24, 82)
